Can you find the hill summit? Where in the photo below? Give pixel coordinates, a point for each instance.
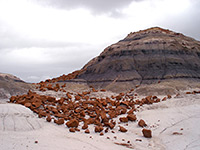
(144, 57)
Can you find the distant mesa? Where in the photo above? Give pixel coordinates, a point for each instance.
(145, 57)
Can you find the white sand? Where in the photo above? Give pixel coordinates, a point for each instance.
(20, 128)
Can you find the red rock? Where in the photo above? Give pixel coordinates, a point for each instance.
(103, 90)
(169, 96)
(89, 121)
(82, 113)
(106, 130)
(51, 99)
(55, 111)
(77, 129)
(164, 99)
(101, 134)
(42, 114)
(103, 116)
(98, 128)
(146, 133)
(87, 131)
(85, 126)
(27, 104)
(61, 100)
(118, 97)
(48, 118)
(13, 99)
(110, 124)
(123, 119)
(37, 104)
(94, 90)
(69, 95)
(72, 130)
(72, 123)
(60, 121)
(122, 129)
(177, 133)
(77, 97)
(131, 117)
(142, 123)
(112, 114)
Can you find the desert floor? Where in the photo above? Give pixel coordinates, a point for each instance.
(174, 124)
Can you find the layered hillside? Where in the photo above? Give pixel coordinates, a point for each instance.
(146, 56)
(12, 85)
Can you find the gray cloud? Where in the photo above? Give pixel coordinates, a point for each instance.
(187, 23)
(96, 6)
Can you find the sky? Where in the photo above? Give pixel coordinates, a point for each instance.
(42, 39)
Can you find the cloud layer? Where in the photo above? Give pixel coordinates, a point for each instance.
(96, 6)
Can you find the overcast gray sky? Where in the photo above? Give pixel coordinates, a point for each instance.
(42, 39)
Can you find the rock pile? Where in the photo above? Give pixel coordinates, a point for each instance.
(82, 109)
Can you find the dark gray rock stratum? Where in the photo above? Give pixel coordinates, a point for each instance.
(146, 56)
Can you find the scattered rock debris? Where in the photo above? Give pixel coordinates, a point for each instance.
(84, 107)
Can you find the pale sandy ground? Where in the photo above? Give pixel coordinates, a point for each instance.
(20, 128)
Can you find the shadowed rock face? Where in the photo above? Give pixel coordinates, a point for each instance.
(11, 85)
(146, 56)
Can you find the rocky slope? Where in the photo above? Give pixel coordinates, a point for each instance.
(147, 56)
(11, 85)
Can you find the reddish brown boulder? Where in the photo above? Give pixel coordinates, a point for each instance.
(85, 126)
(72, 123)
(60, 121)
(103, 90)
(13, 99)
(82, 113)
(101, 134)
(69, 95)
(122, 129)
(131, 117)
(103, 116)
(169, 96)
(48, 118)
(98, 128)
(123, 119)
(72, 130)
(87, 131)
(77, 97)
(142, 123)
(54, 110)
(112, 114)
(109, 124)
(42, 114)
(27, 104)
(51, 99)
(118, 97)
(146, 133)
(89, 121)
(37, 104)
